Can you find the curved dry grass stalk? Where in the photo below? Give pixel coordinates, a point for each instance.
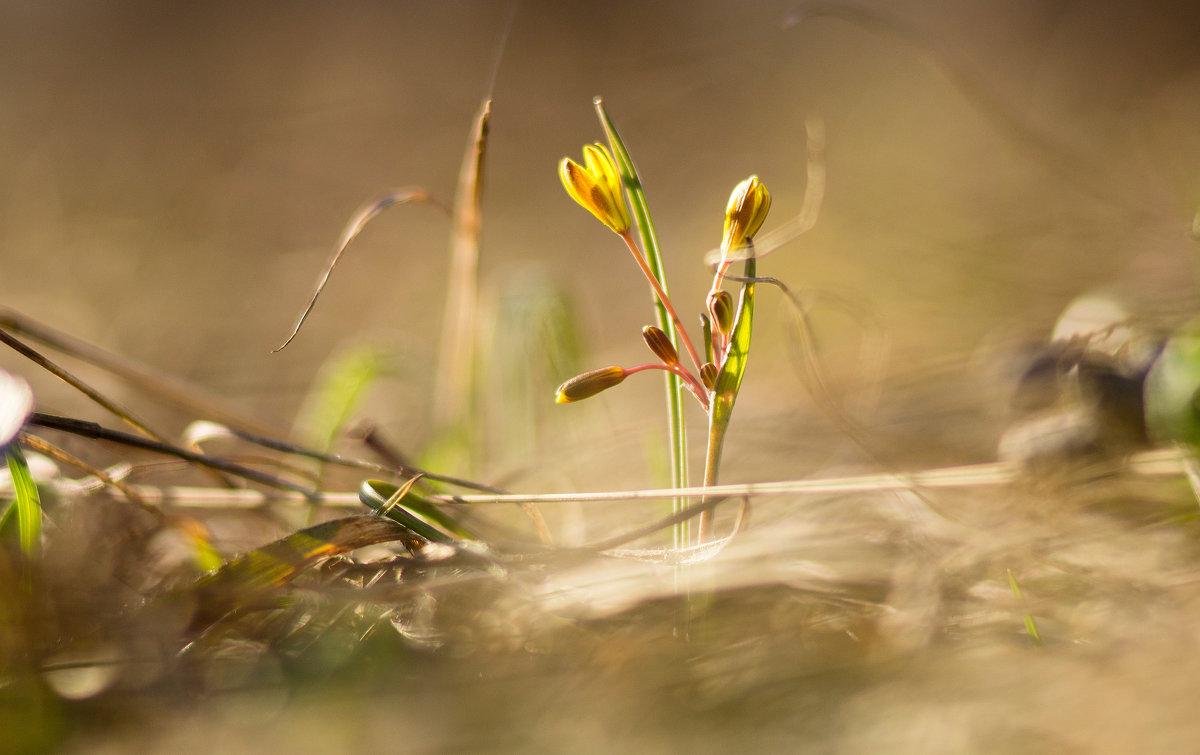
(358, 221)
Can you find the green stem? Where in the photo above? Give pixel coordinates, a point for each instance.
(718, 423)
(653, 259)
(729, 381)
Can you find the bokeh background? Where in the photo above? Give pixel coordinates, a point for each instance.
(174, 176)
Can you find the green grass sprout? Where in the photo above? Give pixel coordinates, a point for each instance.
(1030, 627)
(26, 507)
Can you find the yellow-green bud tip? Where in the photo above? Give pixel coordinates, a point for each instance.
(589, 384)
(596, 186)
(745, 213)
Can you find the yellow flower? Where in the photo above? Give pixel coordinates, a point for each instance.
(745, 213)
(597, 187)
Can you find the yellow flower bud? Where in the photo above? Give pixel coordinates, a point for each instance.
(589, 384)
(596, 185)
(661, 345)
(745, 213)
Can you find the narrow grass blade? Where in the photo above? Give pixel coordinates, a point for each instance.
(31, 354)
(338, 391)
(203, 430)
(27, 505)
(42, 446)
(93, 430)
(641, 215)
(452, 401)
(357, 222)
(16, 404)
(193, 399)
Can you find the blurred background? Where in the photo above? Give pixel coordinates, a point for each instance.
(174, 177)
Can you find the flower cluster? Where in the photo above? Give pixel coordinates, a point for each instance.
(596, 186)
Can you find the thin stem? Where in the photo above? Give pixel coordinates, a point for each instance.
(662, 297)
(712, 466)
(695, 386)
(722, 267)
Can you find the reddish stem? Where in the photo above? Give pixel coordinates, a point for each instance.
(695, 386)
(662, 297)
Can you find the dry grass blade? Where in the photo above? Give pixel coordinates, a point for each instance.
(359, 221)
(1147, 464)
(165, 387)
(200, 430)
(123, 414)
(976, 475)
(98, 432)
(42, 446)
(248, 578)
(452, 399)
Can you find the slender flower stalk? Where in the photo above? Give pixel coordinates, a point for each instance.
(596, 186)
(690, 381)
(596, 381)
(662, 297)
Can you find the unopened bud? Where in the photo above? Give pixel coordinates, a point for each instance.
(745, 213)
(720, 308)
(708, 375)
(661, 345)
(589, 384)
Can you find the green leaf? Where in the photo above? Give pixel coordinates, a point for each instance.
(414, 511)
(27, 505)
(645, 225)
(729, 379)
(249, 579)
(339, 390)
(729, 382)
